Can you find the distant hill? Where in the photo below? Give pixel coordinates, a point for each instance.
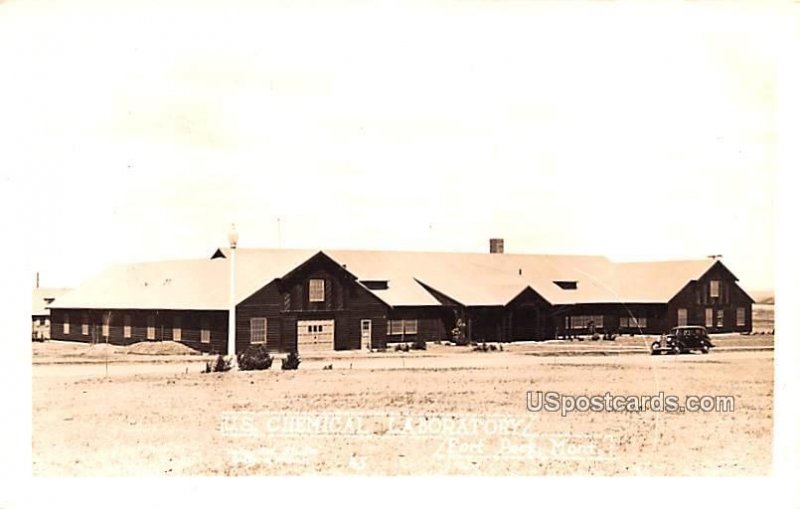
(763, 296)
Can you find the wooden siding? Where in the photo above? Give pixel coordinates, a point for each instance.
(284, 302)
(431, 322)
(528, 317)
(695, 298)
(191, 324)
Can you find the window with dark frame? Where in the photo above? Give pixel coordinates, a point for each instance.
(713, 289)
(151, 327)
(401, 327)
(316, 290)
(582, 321)
(177, 332)
(632, 322)
(741, 317)
(258, 330)
(205, 331)
(683, 316)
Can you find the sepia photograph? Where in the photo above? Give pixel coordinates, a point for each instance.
(307, 241)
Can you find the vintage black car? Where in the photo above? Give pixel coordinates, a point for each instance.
(681, 340)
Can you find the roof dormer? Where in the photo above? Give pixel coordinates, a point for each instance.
(567, 285)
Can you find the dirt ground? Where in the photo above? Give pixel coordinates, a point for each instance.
(447, 410)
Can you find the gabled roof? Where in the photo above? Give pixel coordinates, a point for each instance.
(40, 299)
(472, 279)
(181, 284)
(645, 282)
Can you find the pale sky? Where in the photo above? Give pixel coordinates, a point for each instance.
(639, 132)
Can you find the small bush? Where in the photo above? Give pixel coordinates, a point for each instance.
(419, 344)
(218, 365)
(292, 361)
(487, 347)
(401, 347)
(256, 357)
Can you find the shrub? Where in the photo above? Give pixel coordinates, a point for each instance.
(419, 344)
(459, 332)
(256, 357)
(401, 347)
(292, 361)
(487, 347)
(218, 365)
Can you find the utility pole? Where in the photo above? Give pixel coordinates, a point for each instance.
(233, 239)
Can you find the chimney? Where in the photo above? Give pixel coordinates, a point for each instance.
(496, 246)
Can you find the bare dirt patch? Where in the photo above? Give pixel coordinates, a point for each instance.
(444, 411)
(160, 348)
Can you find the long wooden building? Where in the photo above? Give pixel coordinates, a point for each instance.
(302, 300)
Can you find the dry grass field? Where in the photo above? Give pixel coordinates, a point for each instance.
(447, 410)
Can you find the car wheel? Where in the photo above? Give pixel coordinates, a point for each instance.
(705, 349)
(676, 350)
(654, 348)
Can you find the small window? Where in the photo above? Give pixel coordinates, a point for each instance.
(151, 327)
(258, 330)
(177, 332)
(316, 290)
(713, 289)
(85, 325)
(106, 327)
(683, 317)
(410, 326)
(709, 317)
(126, 328)
(720, 318)
(740, 317)
(65, 326)
(205, 332)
